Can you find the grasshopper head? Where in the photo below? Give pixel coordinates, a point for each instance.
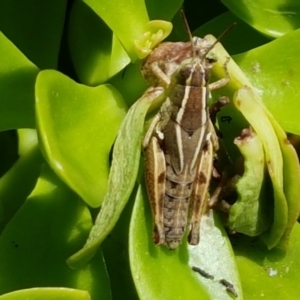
(194, 72)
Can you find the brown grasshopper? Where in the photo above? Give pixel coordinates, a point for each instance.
(181, 141)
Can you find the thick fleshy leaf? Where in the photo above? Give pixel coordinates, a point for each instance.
(122, 177)
(156, 11)
(116, 15)
(130, 83)
(137, 36)
(119, 58)
(251, 214)
(247, 37)
(50, 226)
(291, 179)
(272, 69)
(17, 77)
(96, 55)
(273, 143)
(115, 250)
(249, 105)
(160, 273)
(47, 294)
(268, 274)
(18, 183)
(29, 24)
(272, 17)
(77, 126)
(27, 139)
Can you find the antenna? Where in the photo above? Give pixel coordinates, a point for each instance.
(186, 25)
(219, 38)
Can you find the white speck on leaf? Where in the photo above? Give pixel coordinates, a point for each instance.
(272, 272)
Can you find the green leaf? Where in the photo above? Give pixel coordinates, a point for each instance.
(130, 83)
(119, 58)
(268, 274)
(272, 69)
(50, 226)
(156, 11)
(96, 53)
(18, 183)
(291, 179)
(248, 37)
(116, 13)
(251, 214)
(122, 177)
(252, 109)
(17, 77)
(139, 35)
(116, 254)
(35, 27)
(272, 17)
(27, 139)
(47, 294)
(160, 273)
(77, 126)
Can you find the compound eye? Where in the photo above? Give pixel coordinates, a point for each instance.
(184, 74)
(211, 60)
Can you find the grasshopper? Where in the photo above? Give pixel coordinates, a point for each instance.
(181, 141)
